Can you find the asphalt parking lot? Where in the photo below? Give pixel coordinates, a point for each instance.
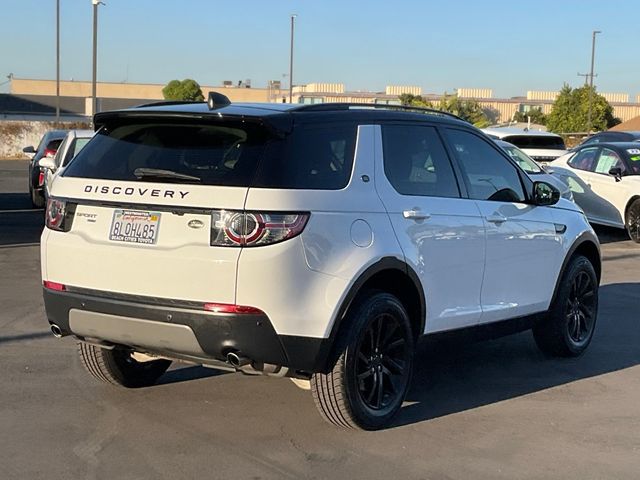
(497, 409)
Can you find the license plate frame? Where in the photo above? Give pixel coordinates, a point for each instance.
(138, 227)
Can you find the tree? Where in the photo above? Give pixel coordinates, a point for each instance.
(186, 90)
(467, 109)
(414, 101)
(535, 114)
(570, 111)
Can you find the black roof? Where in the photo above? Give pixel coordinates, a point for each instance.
(618, 146)
(273, 113)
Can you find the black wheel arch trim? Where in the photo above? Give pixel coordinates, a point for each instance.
(583, 238)
(330, 351)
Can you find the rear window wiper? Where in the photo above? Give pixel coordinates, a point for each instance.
(142, 173)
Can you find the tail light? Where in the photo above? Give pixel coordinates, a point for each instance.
(230, 228)
(59, 215)
(40, 178)
(231, 308)
(59, 287)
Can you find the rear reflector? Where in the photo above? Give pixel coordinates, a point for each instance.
(41, 179)
(54, 286)
(227, 308)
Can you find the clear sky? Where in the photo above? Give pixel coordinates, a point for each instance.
(508, 45)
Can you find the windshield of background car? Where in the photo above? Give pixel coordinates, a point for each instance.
(522, 159)
(536, 141)
(230, 153)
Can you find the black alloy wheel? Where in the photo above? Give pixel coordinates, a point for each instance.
(581, 305)
(633, 221)
(367, 384)
(567, 329)
(381, 363)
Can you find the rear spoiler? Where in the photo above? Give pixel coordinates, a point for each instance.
(278, 125)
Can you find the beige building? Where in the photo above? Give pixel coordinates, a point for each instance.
(501, 109)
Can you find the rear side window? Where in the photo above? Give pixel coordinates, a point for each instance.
(225, 154)
(313, 157)
(416, 163)
(490, 176)
(536, 141)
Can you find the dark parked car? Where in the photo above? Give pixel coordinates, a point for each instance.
(48, 146)
(612, 136)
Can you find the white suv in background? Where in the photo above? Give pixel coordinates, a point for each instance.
(539, 145)
(316, 242)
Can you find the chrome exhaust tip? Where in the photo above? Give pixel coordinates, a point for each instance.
(57, 332)
(237, 360)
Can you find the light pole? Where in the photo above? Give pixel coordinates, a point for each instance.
(293, 22)
(94, 101)
(57, 60)
(593, 56)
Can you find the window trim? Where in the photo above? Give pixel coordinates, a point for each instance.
(525, 182)
(462, 191)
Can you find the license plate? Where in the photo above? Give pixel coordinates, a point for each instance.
(133, 226)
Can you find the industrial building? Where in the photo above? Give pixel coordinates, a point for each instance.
(31, 96)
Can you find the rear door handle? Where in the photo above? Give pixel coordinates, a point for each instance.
(496, 218)
(415, 214)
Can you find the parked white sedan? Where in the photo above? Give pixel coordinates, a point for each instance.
(605, 181)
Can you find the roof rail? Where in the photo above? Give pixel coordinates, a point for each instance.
(328, 107)
(162, 103)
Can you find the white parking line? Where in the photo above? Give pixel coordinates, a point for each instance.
(22, 210)
(15, 245)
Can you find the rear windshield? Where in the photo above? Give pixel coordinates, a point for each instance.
(226, 154)
(536, 141)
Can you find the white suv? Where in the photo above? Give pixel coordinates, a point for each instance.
(316, 242)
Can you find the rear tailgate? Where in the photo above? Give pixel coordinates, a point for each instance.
(175, 261)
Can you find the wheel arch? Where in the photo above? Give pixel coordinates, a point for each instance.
(586, 244)
(388, 274)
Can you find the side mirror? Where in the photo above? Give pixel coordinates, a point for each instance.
(616, 172)
(29, 149)
(545, 194)
(48, 163)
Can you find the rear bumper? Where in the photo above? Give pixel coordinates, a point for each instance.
(181, 330)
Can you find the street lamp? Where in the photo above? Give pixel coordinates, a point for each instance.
(94, 102)
(593, 56)
(293, 21)
(57, 60)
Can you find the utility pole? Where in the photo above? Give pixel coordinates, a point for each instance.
(94, 101)
(57, 60)
(293, 21)
(590, 76)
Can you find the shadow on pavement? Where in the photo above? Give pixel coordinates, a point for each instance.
(25, 336)
(20, 223)
(458, 377)
(186, 374)
(610, 234)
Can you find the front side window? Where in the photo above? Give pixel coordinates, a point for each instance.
(416, 163)
(584, 159)
(489, 175)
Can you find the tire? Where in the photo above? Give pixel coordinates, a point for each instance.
(118, 368)
(567, 329)
(370, 379)
(632, 220)
(37, 200)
